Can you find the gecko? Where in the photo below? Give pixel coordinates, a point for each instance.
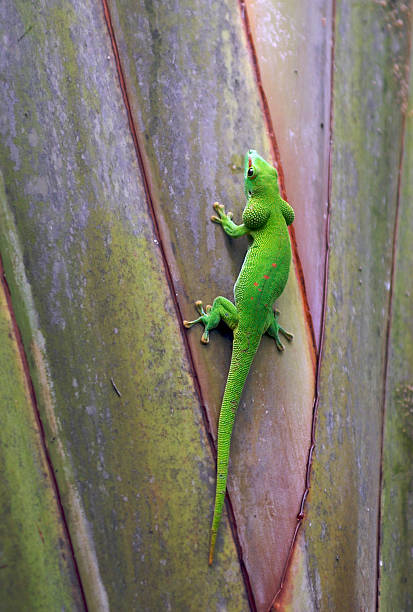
(261, 281)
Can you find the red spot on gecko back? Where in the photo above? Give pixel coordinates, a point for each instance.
(255, 284)
(274, 265)
(252, 298)
(265, 276)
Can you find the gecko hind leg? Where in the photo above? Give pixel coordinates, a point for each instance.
(274, 329)
(212, 315)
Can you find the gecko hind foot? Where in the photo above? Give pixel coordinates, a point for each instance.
(200, 307)
(212, 315)
(202, 319)
(286, 334)
(274, 330)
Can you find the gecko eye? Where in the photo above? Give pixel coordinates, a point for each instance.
(250, 172)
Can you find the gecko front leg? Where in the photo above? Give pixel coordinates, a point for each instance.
(225, 220)
(222, 308)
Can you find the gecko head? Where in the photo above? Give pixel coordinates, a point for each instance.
(261, 190)
(259, 176)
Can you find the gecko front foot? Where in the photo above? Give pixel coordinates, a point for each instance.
(222, 217)
(225, 220)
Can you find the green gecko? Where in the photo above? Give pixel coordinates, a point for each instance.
(261, 281)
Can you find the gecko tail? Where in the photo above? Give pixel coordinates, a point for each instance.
(212, 547)
(244, 348)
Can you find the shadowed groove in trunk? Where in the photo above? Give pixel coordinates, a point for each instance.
(277, 159)
(317, 356)
(144, 176)
(408, 76)
(32, 394)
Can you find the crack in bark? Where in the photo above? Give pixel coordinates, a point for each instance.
(168, 274)
(318, 357)
(48, 460)
(390, 316)
(277, 158)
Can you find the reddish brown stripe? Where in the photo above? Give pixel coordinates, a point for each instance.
(317, 357)
(277, 159)
(151, 209)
